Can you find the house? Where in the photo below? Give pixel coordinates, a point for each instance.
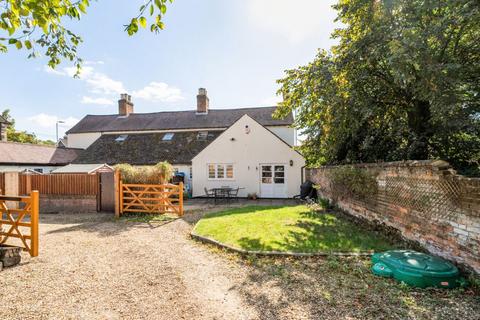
(244, 147)
(84, 169)
(17, 157)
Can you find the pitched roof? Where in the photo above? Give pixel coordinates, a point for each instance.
(24, 153)
(216, 118)
(84, 168)
(146, 148)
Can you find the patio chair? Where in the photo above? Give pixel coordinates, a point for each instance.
(209, 194)
(233, 193)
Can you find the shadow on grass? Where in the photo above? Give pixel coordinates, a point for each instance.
(321, 232)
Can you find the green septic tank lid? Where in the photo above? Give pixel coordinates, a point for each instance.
(416, 269)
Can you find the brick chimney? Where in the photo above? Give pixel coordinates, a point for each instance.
(3, 129)
(202, 101)
(125, 105)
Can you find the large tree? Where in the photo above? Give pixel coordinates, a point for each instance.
(38, 26)
(21, 136)
(402, 83)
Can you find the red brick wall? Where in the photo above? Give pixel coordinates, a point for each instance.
(68, 204)
(426, 200)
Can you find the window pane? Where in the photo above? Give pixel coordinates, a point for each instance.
(229, 171)
(267, 168)
(279, 180)
(211, 171)
(220, 171)
(267, 180)
(279, 168)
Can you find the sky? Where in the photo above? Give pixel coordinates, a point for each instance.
(237, 49)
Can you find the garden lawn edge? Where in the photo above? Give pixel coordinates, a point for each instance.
(279, 253)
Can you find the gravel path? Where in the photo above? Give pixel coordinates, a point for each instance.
(91, 267)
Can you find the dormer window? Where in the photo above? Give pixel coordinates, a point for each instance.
(202, 136)
(121, 138)
(168, 136)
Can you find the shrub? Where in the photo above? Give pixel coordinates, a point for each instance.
(161, 173)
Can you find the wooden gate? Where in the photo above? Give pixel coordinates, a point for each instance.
(106, 201)
(13, 212)
(150, 198)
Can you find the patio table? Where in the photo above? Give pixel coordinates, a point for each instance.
(223, 193)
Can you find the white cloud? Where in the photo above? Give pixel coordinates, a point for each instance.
(88, 62)
(99, 101)
(47, 69)
(296, 20)
(97, 82)
(159, 91)
(44, 120)
(100, 83)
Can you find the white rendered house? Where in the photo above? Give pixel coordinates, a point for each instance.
(254, 150)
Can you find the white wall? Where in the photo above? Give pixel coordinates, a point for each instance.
(82, 140)
(286, 133)
(246, 153)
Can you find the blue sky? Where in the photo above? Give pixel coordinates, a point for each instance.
(236, 49)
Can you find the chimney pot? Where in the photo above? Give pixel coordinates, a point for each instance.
(125, 105)
(202, 101)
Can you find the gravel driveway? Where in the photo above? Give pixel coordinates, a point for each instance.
(92, 267)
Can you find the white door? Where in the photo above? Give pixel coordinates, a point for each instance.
(272, 181)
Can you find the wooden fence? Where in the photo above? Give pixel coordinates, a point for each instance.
(59, 184)
(148, 198)
(14, 225)
(2, 183)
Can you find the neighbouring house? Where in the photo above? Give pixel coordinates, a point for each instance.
(17, 157)
(84, 169)
(29, 158)
(243, 147)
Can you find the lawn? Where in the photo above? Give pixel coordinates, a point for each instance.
(291, 228)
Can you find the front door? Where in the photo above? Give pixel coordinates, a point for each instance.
(272, 181)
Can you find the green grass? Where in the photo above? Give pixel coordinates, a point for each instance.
(145, 217)
(296, 229)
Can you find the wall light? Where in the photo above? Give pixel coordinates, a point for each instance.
(291, 163)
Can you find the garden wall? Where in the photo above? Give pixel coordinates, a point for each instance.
(426, 200)
(68, 203)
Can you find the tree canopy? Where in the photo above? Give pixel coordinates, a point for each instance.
(39, 26)
(21, 136)
(402, 83)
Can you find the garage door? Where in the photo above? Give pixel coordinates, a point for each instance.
(272, 181)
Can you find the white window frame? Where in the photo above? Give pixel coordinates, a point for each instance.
(216, 165)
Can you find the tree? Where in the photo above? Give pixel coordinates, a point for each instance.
(21, 136)
(403, 83)
(39, 26)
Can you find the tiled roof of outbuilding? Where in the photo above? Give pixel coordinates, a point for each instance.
(24, 153)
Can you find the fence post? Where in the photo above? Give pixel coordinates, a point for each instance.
(34, 217)
(116, 186)
(180, 198)
(28, 184)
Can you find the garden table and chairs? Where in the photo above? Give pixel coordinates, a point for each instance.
(223, 193)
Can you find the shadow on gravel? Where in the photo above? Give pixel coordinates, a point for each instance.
(103, 224)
